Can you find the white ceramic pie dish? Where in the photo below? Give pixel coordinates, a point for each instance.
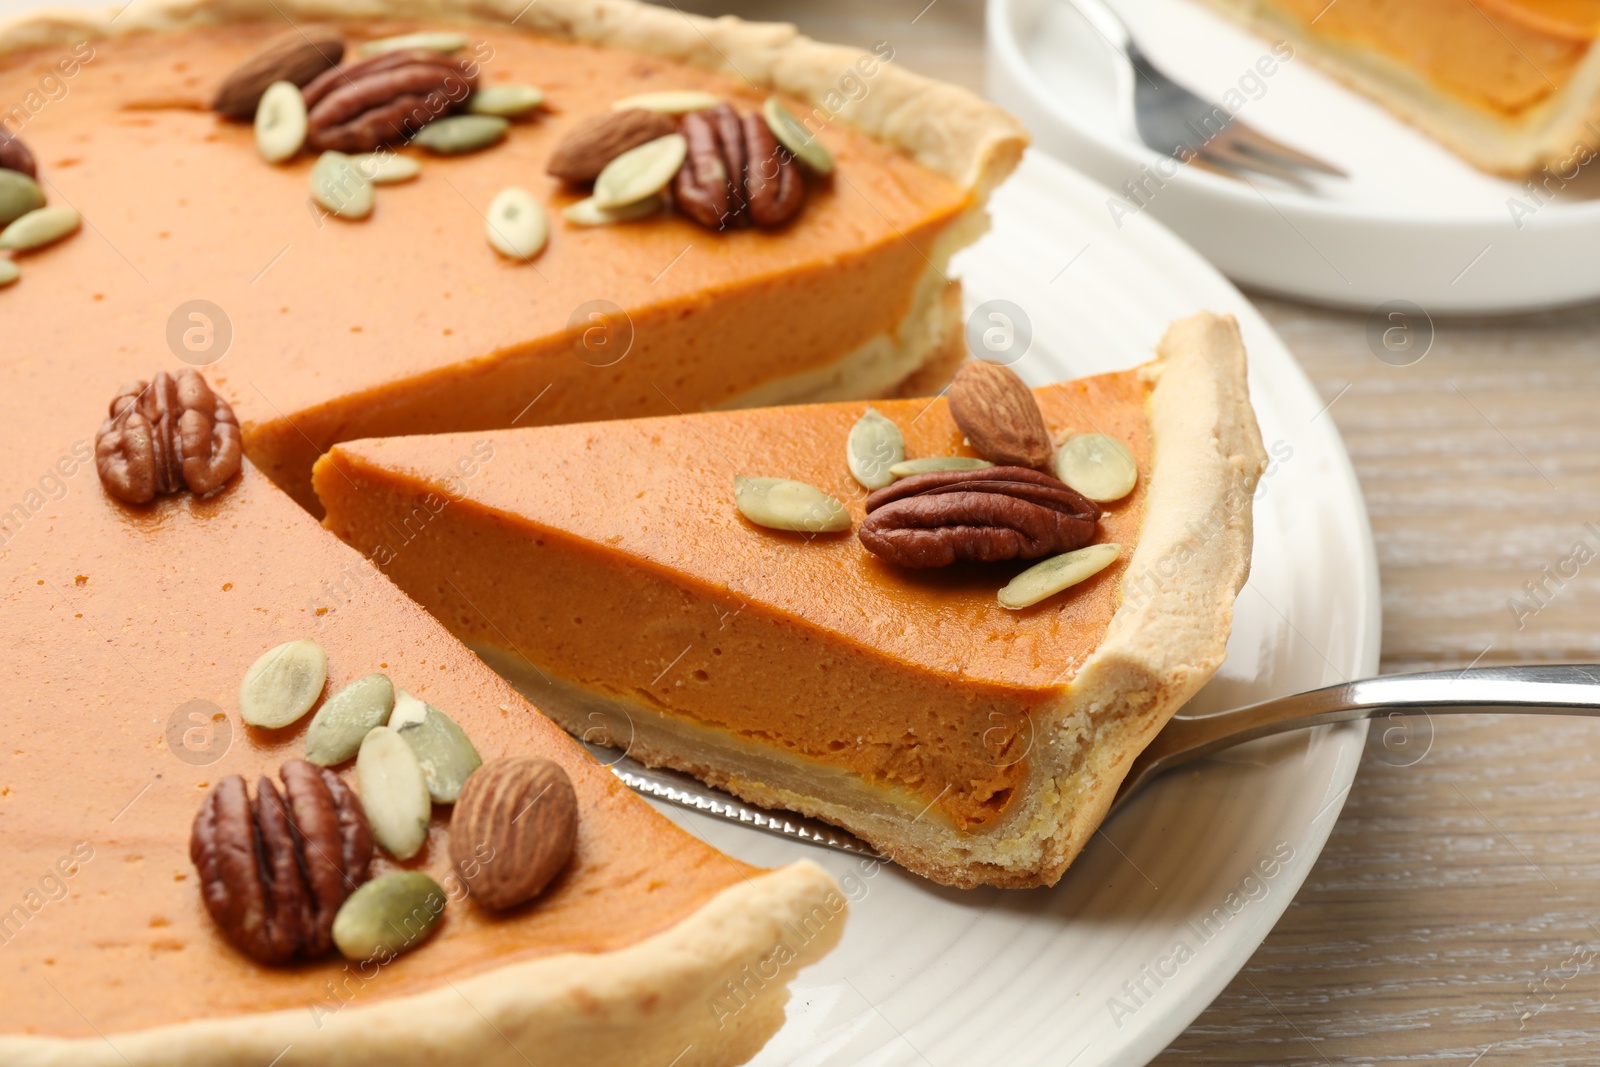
(1413, 222)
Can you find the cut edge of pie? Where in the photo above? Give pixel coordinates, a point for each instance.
(1167, 636)
(717, 981)
(1553, 131)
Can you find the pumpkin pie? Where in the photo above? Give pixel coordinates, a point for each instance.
(130, 626)
(604, 568)
(1510, 85)
(408, 321)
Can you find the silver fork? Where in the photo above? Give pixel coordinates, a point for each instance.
(1175, 122)
(1566, 689)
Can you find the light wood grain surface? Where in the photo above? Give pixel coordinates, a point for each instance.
(1454, 918)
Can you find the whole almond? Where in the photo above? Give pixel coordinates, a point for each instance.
(14, 155)
(585, 151)
(997, 412)
(296, 57)
(513, 829)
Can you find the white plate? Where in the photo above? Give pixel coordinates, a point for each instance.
(927, 975)
(1414, 222)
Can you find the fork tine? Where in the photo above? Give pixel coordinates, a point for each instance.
(1235, 163)
(1213, 167)
(1247, 138)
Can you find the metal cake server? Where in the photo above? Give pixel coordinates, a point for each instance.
(1564, 689)
(1175, 122)
(687, 792)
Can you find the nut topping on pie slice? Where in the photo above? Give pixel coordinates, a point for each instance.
(297, 57)
(274, 870)
(14, 155)
(976, 516)
(167, 434)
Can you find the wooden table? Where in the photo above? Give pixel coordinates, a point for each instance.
(1454, 917)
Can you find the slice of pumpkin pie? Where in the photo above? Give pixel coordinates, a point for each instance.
(1511, 86)
(957, 665)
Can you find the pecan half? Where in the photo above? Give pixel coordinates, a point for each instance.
(14, 155)
(298, 56)
(274, 871)
(168, 434)
(584, 152)
(373, 102)
(773, 185)
(736, 173)
(976, 516)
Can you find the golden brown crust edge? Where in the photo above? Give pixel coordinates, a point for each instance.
(665, 997)
(1170, 633)
(1549, 134)
(949, 130)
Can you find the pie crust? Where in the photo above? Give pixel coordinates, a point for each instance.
(710, 990)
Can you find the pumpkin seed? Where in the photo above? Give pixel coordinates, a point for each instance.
(782, 504)
(1099, 467)
(640, 172)
(443, 750)
(425, 42)
(506, 101)
(19, 194)
(9, 272)
(408, 711)
(669, 102)
(280, 122)
(516, 225)
(1046, 579)
(386, 168)
(793, 135)
(937, 463)
(40, 227)
(874, 447)
(587, 213)
(394, 792)
(340, 725)
(456, 135)
(282, 685)
(388, 915)
(337, 185)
